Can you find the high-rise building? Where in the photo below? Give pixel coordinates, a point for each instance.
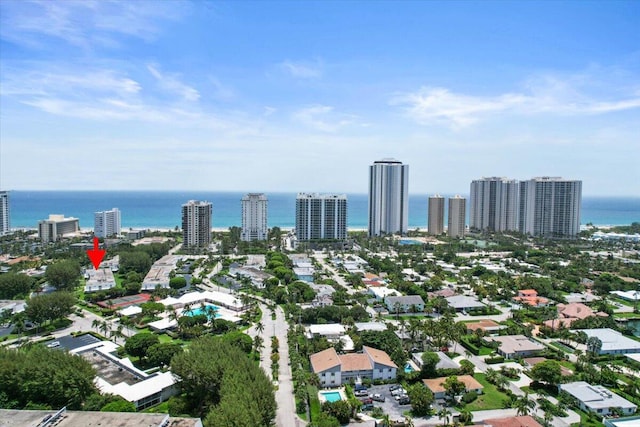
(56, 227)
(107, 223)
(321, 216)
(457, 214)
(5, 226)
(435, 222)
(254, 217)
(493, 204)
(388, 197)
(550, 207)
(196, 224)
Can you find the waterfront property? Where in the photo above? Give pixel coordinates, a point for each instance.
(99, 280)
(597, 399)
(334, 370)
(613, 342)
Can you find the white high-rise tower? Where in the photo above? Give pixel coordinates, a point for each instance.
(550, 207)
(435, 221)
(321, 216)
(107, 223)
(457, 213)
(388, 197)
(494, 204)
(4, 213)
(254, 217)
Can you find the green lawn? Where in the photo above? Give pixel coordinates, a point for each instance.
(490, 398)
(585, 421)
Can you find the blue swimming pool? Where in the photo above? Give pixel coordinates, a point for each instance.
(408, 368)
(409, 242)
(202, 310)
(332, 396)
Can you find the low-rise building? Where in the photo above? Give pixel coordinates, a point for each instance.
(437, 388)
(514, 346)
(381, 292)
(463, 303)
(597, 399)
(160, 273)
(334, 370)
(445, 361)
(258, 277)
(99, 280)
(404, 304)
(485, 325)
(530, 297)
(613, 342)
(519, 421)
(569, 313)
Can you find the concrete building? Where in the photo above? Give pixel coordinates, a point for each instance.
(196, 224)
(613, 342)
(334, 370)
(5, 225)
(64, 418)
(321, 216)
(254, 217)
(514, 346)
(107, 223)
(435, 220)
(388, 197)
(457, 215)
(56, 227)
(99, 280)
(550, 207)
(597, 399)
(493, 204)
(405, 304)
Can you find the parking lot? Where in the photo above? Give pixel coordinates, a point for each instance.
(390, 404)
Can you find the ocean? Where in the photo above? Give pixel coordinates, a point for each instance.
(162, 209)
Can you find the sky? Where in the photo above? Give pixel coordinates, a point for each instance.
(304, 96)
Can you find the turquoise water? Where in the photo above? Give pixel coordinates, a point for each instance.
(201, 310)
(409, 242)
(408, 368)
(332, 396)
(162, 209)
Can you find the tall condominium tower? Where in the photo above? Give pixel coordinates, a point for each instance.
(321, 216)
(494, 204)
(107, 223)
(57, 226)
(550, 207)
(457, 214)
(436, 215)
(388, 197)
(4, 213)
(196, 224)
(254, 217)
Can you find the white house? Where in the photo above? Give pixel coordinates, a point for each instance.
(406, 304)
(613, 342)
(597, 399)
(333, 369)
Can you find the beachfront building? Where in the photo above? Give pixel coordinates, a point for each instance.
(598, 399)
(457, 215)
(321, 216)
(493, 204)
(4, 213)
(334, 370)
(196, 224)
(254, 217)
(435, 220)
(57, 227)
(107, 223)
(388, 197)
(550, 207)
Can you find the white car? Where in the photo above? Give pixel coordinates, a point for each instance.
(54, 344)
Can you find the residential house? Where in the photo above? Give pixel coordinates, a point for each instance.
(333, 369)
(485, 325)
(463, 303)
(613, 342)
(569, 313)
(530, 297)
(404, 304)
(514, 346)
(437, 388)
(519, 421)
(597, 399)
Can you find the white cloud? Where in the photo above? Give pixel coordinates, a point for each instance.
(85, 23)
(171, 83)
(322, 118)
(302, 70)
(548, 95)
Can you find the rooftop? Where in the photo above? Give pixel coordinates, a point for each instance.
(510, 344)
(435, 384)
(612, 340)
(17, 418)
(595, 396)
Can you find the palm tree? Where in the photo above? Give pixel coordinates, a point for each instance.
(117, 333)
(524, 405)
(95, 324)
(258, 343)
(386, 420)
(443, 414)
(104, 328)
(259, 327)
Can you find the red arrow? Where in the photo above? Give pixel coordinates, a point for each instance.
(96, 255)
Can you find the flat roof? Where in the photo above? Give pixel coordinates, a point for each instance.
(596, 396)
(510, 344)
(19, 418)
(612, 340)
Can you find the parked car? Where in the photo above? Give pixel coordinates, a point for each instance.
(377, 397)
(359, 387)
(394, 387)
(366, 403)
(398, 392)
(54, 344)
(404, 400)
(360, 393)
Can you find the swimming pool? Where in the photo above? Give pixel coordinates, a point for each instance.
(408, 368)
(332, 396)
(409, 242)
(202, 310)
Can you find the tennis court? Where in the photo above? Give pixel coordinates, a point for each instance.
(125, 301)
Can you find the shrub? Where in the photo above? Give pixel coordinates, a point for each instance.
(469, 397)
(494, 360)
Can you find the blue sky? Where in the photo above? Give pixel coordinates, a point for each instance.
(303, 96)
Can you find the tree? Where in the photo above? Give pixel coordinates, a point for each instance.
(421, 399)
(549, 372)
(325, 420)
(48, 307)
(340, 409)
(120, 405)
(42, 376)
(63, 275)
(465, 417)
(13, 285)
(161, 353)
(524, 404)
(453, 387)
(594, 345)
(138, 344)
(177, 282)
(151, 308)
(218, 380)
(444, 414)
(429, 362)
(135, 261)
